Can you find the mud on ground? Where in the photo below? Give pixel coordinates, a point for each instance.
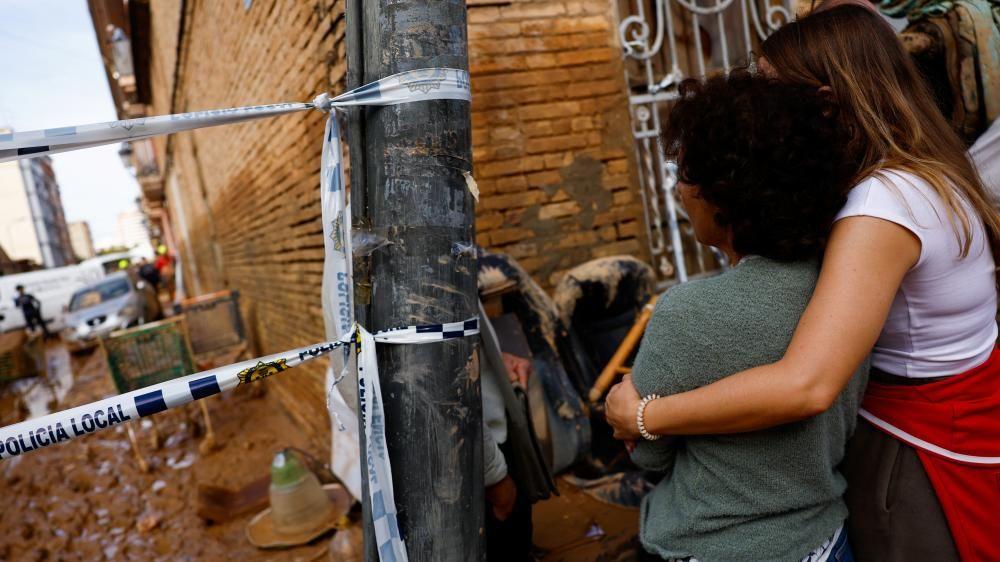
(87, 500)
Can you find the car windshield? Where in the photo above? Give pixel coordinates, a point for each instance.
(99, 293)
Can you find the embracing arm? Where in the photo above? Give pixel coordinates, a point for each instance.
(863, 267)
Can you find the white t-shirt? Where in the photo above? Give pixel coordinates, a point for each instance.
(986, 155)
(943, 318)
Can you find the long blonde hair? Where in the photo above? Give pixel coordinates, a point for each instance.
(887, 106)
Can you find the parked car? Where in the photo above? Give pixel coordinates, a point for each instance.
(119, 301)
(56, 286)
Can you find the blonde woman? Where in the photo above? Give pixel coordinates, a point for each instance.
(908, 276)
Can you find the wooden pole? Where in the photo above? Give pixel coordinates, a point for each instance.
(408, 186)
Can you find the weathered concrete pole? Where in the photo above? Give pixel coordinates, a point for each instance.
(407, 164)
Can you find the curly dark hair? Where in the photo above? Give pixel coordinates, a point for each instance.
(772, 156)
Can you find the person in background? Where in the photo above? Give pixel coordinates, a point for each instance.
(31, 308)
(163, 260)
(167, 272)
(508, 512)
(150, 274)
(515, 473)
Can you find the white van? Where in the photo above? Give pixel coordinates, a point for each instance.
(54, 288)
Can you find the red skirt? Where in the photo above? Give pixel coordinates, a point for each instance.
(954, 425)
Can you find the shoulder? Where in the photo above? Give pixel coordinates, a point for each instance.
(690, 296)
(892, 188)
(757, 282)
(899, 197)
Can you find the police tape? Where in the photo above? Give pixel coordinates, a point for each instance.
(57, 427)
(51, 429)
(337, 285)
(404, 87)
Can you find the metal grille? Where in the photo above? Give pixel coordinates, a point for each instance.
(148, 354)
(214, 322)
(663, 42)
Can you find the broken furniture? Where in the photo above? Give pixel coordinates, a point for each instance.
(215, 329)
(558, 412)
(150, 354)
(599, 301)
(616, 368)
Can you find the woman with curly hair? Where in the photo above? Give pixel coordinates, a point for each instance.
(763, 167)
(908, 276)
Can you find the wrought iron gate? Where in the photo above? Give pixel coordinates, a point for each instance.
(663, 42)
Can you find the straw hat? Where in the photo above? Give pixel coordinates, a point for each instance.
(301, 509)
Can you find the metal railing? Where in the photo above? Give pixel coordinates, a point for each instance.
(663, 42)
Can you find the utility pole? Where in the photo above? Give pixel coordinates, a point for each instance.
(407, 184)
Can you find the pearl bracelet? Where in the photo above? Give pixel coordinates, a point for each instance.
(640, 416)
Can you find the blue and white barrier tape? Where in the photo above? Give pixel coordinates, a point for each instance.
(65, 425)
(337, 300)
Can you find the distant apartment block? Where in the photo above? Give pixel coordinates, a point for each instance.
(32, 223)
(133, 230)
(81, 240)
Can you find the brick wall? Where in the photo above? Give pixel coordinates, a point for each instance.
(244, 198)
(551, 148)
(551, 137)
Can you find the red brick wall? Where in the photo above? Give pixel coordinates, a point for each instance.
(248, 193)
(551, 145)
(551, 137)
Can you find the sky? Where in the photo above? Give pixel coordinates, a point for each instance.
(52, 76)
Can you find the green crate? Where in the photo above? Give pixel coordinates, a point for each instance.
(149, 354)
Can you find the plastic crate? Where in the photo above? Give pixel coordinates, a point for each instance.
(21, 356)
(214, 323)
(149, 354)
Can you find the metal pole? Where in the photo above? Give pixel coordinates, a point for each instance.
(408, 186)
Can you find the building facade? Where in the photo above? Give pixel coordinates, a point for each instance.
(81, 240)
(552, 147)
(32, 223)
(133, 230)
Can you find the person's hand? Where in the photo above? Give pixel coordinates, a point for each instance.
(502, 497)
(518, 368)
(620, 408)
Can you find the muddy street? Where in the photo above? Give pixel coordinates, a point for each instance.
(88, 499)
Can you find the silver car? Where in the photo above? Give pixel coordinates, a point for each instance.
(118, 301)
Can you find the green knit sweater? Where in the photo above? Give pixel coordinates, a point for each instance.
(766, 495)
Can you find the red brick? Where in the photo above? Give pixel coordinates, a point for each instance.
(575, 8)
(571, 58)
(548, 110)
(629, 229)
(512, 200)
(508, 235)
(553, 144)
(585, 238)
(528, 10)
(488, 221)
(566, 25)
(540, 179)
(492, 29)
(512, 183)
(556, 210)
(483, 14)
(622, 247)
